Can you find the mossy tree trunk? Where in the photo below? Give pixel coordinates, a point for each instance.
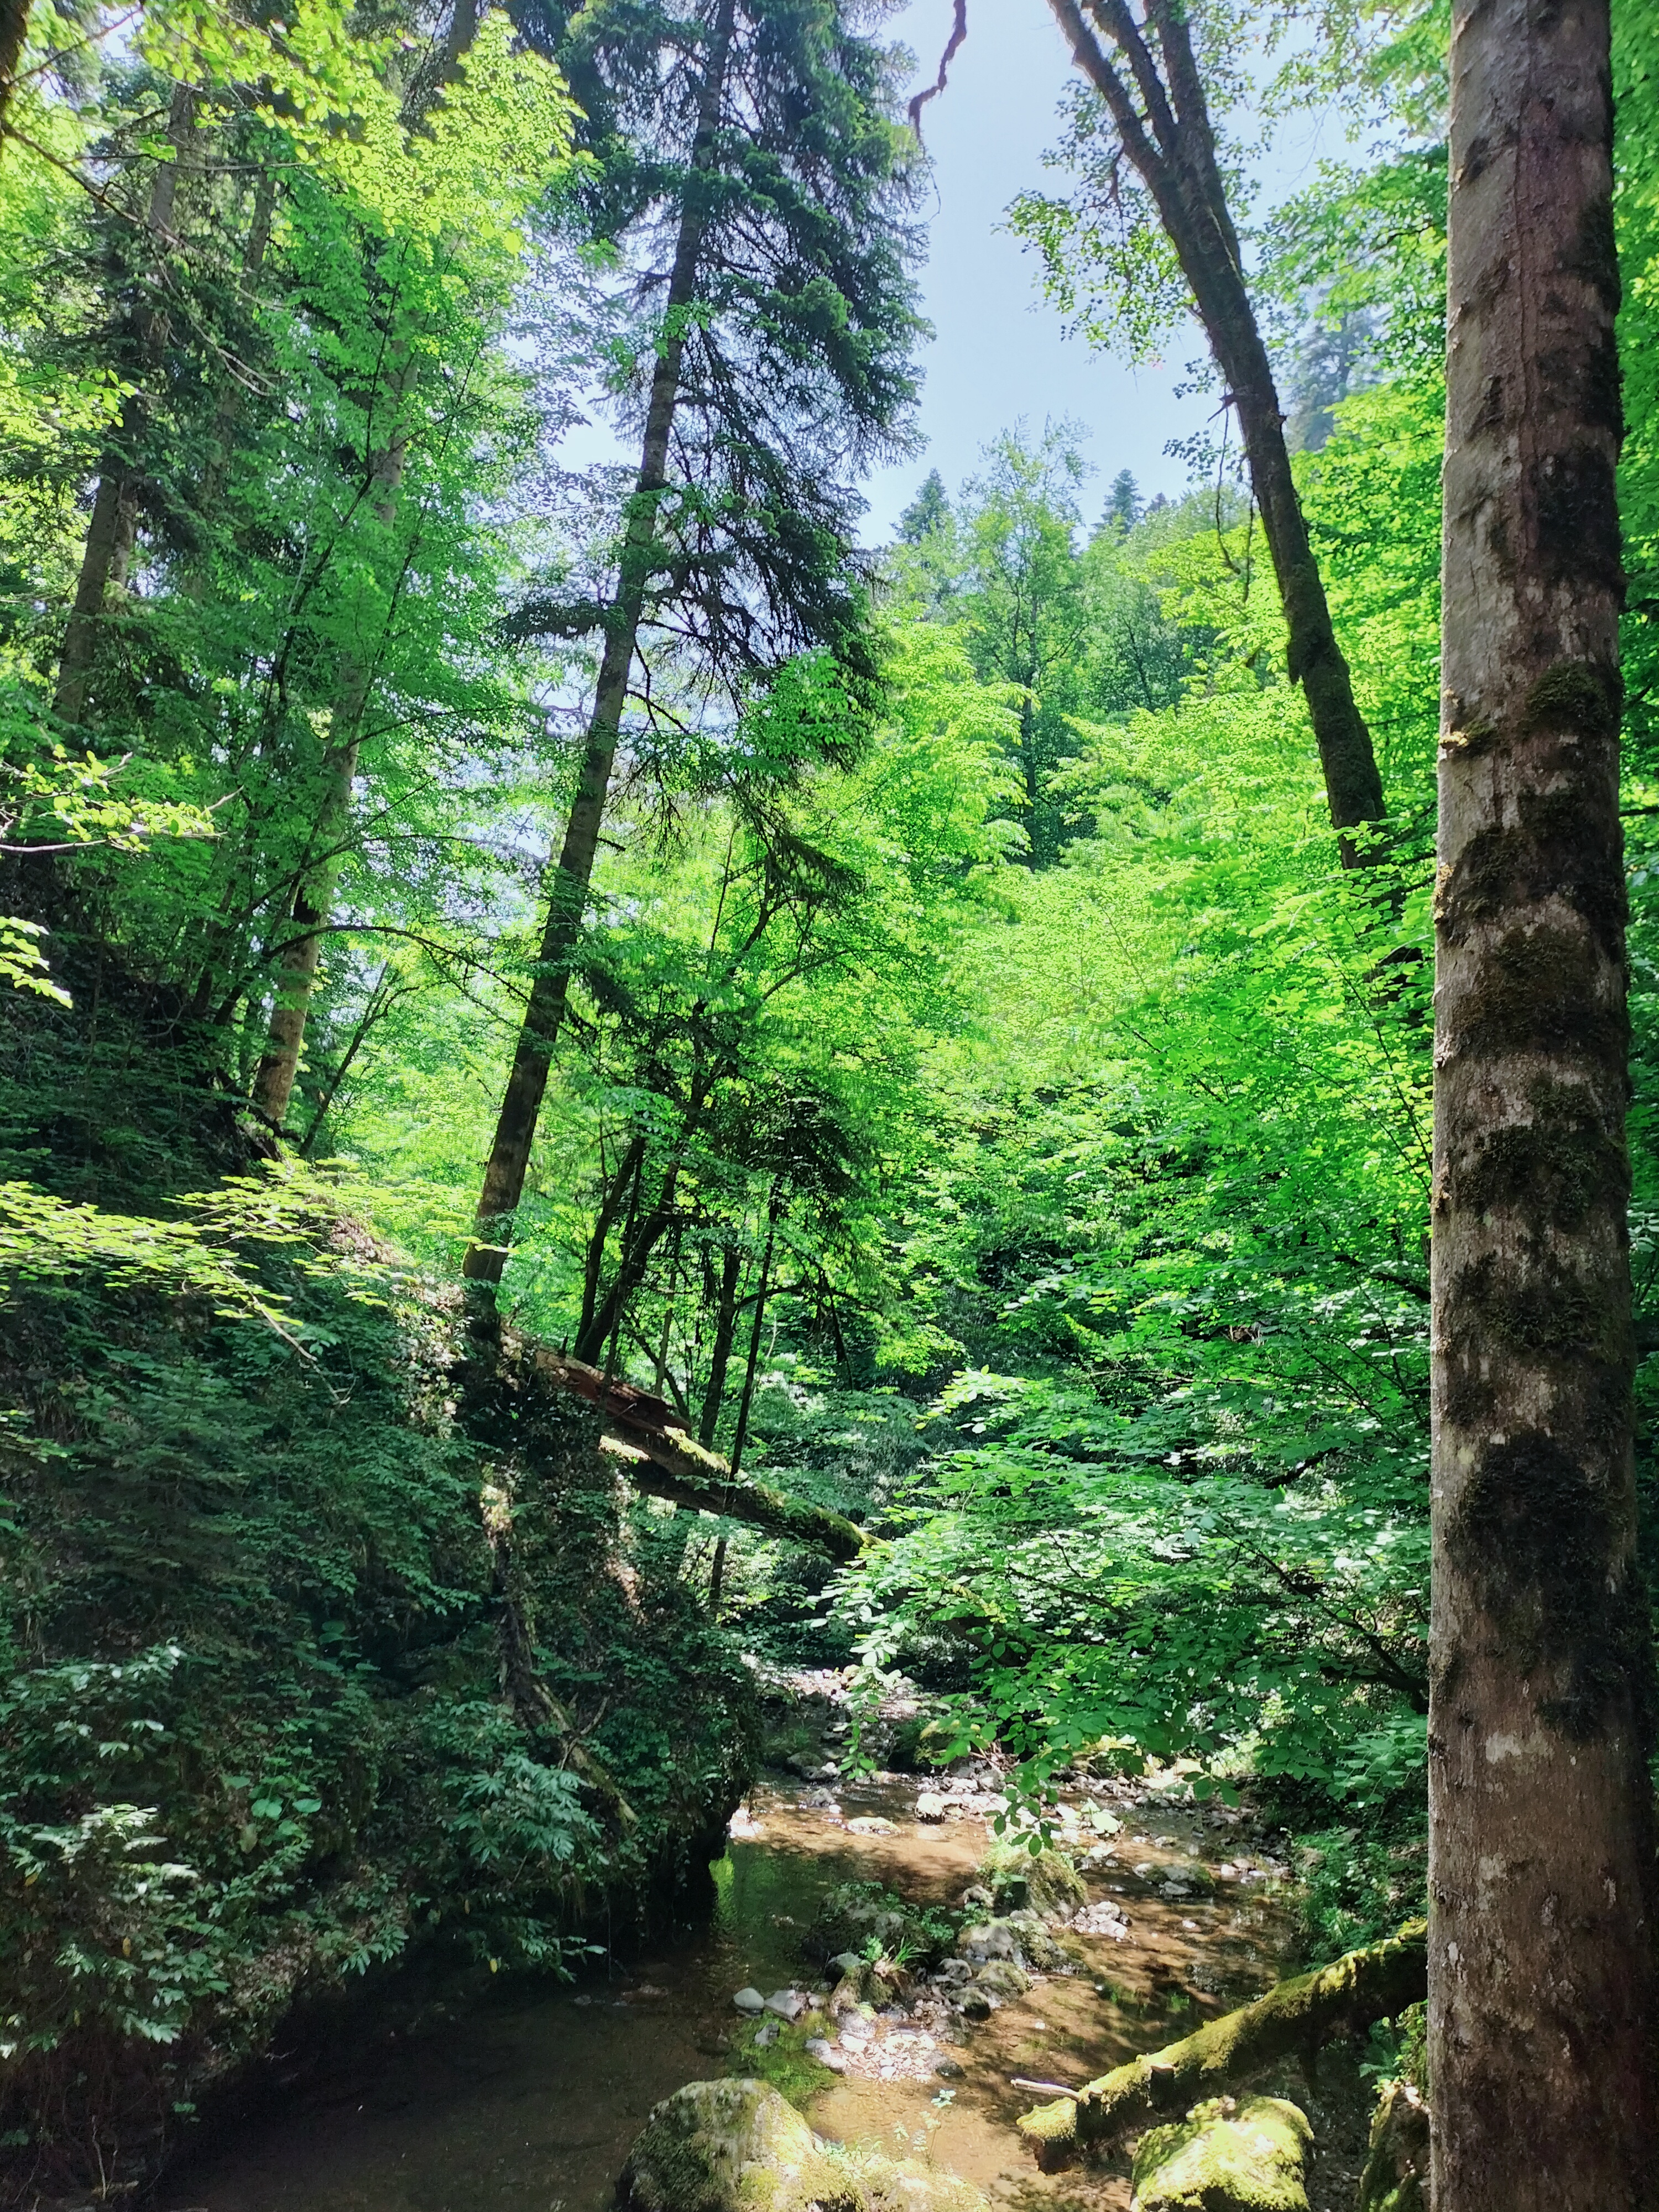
(14, 29)
(112, 531)
(1292, 2020)
(299, 961)
(1542, 2064)
(726, 1331)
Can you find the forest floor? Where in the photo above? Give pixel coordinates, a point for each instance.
(527, 2100)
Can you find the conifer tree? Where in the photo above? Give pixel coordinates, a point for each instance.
(930, 510)
(755, 141)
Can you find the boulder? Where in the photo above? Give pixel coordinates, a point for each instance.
(991, 1939)
(788, 2004)
(1045, 1880)
(1040, 1949)
(750, 2000)
(919, 1745)
(849, 1916)
(1226, 2156)
(930, 1805)
(848, 1993)
(730, 2146)
(1002, 1979)
(736, 2146)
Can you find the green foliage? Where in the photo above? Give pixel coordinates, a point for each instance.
(253, 1738)
(873, 1921)
(986, 1104)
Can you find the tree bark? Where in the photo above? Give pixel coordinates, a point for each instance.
(1294, 2019)
(13, 30)
(112, 532)
(1165, 126)
(726, 1330)
(640, 1242)
(515, 1129)
(1541, 2059)
(717, 1576)
(610, 1207)
(665, 1462)
(741, 1438)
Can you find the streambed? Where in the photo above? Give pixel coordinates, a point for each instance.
(527, 2100)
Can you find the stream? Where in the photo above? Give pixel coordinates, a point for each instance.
(527, 2099)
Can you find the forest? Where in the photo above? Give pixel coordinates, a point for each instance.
(614, 1096)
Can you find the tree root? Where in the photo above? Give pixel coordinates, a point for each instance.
(1294, 2018)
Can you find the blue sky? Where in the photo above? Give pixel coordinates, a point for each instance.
(999, 352)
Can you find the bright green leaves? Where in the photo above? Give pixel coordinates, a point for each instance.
(491, 144)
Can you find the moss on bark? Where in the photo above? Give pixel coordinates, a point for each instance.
(1294, 2017)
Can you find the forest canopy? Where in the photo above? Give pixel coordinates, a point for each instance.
(919, 1010)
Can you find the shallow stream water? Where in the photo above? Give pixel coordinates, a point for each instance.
(527, 2099)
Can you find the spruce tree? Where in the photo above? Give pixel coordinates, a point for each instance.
(929, 511)
(750, 163)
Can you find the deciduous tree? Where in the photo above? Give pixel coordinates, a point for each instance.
(1541, 2068)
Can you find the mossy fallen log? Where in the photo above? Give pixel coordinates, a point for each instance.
(665, 1461)
(1293, 2019)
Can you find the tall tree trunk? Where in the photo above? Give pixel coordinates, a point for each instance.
(515, 1129)
(627, 1172)
(1541, 2059)
(113, 531)
(14, 29)
(1163, 119)
(301, 955)
(717, 1575)
(726, 1330)
(227, 408)
(762, 1289)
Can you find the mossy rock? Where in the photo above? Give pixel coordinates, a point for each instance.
(1043, 1880)
(793, 1743)
(1396, 2175)
(783, 2062)
(735, 2146)
(1001, 1977)
(1041, 1951)
(738, 2147)
(1225, 2156)
(857, 1913)
(921, 1747)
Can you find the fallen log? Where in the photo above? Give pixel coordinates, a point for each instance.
(665, 1461)
(1293, 2019)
